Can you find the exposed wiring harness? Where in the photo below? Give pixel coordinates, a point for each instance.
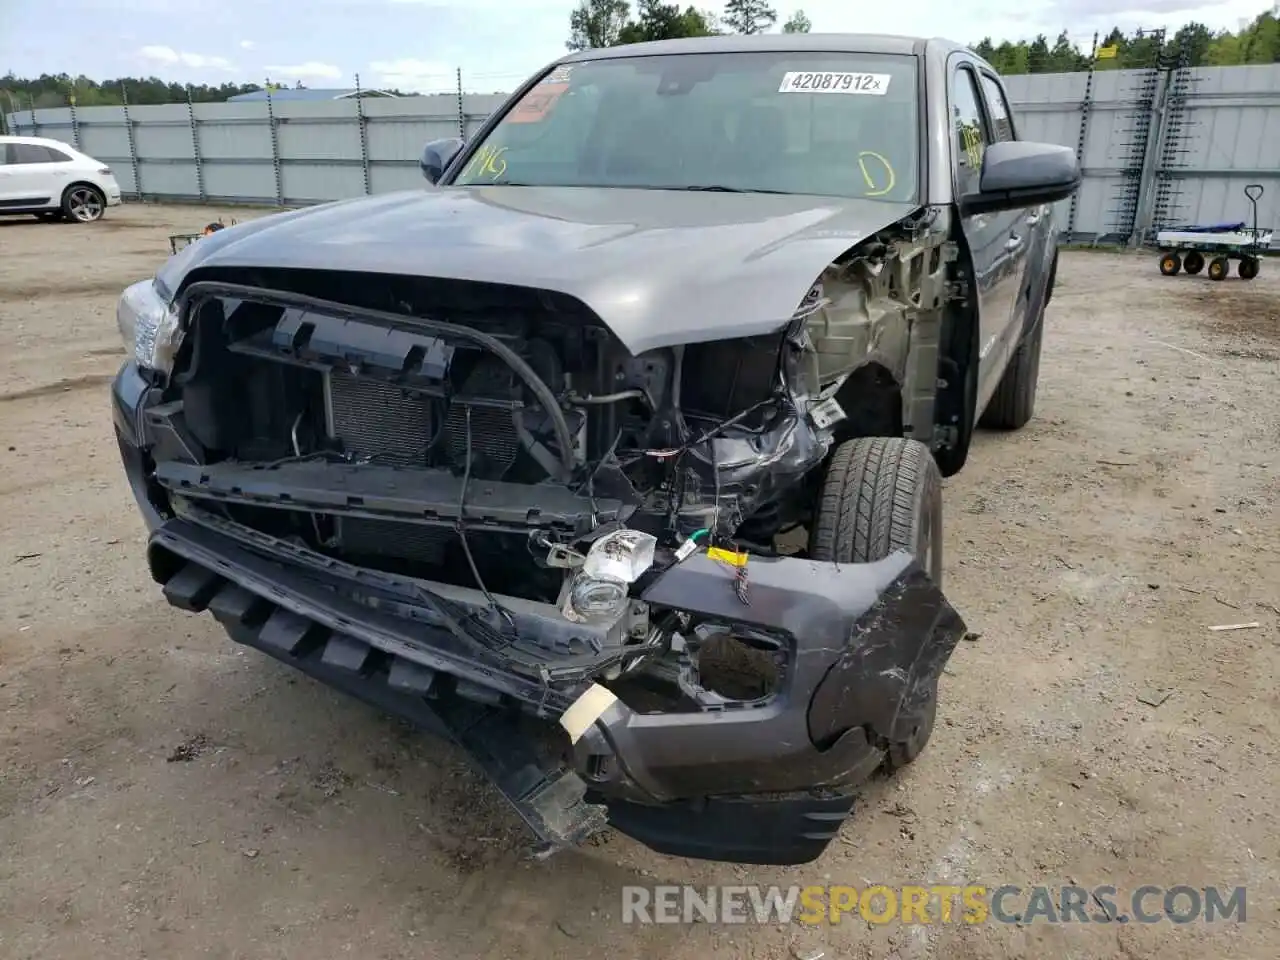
(461, 527)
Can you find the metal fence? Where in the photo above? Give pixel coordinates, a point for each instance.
(1158, 146)
(287, 152)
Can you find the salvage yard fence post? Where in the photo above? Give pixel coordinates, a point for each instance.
(1085, 104)
(275, 147)
(363, 123)
(133, 146)
(195, 147)
(462, 110)
(75, 123)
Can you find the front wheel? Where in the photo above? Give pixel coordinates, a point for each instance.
(1170, 264)
(83, 203)
(881, 495)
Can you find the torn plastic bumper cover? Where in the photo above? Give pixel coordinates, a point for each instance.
(769, 783)
(767, 780)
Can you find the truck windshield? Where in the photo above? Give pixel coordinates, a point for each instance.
(828, 124)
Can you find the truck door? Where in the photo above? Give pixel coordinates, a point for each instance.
(1027, 233)
(992, 238)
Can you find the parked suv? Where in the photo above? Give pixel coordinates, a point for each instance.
(615, 454)
(53, 181)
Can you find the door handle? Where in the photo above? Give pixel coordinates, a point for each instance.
(1013, 242)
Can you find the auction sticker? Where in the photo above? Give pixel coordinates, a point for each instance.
(537, 103)
(560, 74)
(871, 84)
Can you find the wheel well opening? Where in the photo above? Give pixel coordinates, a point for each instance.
(82, 183)
(872, 401)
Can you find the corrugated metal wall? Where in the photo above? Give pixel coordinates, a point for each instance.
(287, 152)
(1156, 147)
(1234, 139)
(1204, 136)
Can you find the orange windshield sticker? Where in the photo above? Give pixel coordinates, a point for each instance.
(537, 103)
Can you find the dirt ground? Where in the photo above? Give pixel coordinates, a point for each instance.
(164, 793)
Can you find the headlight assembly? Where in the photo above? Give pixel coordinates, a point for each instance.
(148, 326)
(598, 592)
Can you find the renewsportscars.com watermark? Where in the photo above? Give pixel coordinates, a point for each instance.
(970, 904)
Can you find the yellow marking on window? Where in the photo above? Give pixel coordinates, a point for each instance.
(872, 189)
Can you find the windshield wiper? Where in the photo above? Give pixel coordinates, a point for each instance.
(721, 188)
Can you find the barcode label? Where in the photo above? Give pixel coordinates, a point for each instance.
(872, 84)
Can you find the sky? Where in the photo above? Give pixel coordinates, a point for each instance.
(416, 45)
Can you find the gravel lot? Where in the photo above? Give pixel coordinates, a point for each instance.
(166, 794)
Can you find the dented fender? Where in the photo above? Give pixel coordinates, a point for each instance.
(888, 673)
(867, 645)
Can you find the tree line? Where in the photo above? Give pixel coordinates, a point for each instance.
(610, 23)
(60, 89)
(57, 90)
(1257, 43)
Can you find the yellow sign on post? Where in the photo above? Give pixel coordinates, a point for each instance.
(1108, 53)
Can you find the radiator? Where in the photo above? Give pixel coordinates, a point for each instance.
(379, 420)
(375, 419)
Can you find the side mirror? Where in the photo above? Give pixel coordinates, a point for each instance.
(437, 155)
(1016, 173)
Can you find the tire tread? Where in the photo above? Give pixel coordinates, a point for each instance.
(879, 495)
(867, 507)
(1014, 401)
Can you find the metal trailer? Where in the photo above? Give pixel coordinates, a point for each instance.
(1187, 248)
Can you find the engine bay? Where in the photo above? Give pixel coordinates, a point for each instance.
(705, 437)
(500, 442)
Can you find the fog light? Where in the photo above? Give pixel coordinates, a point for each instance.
(595, 601)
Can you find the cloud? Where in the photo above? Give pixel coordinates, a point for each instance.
(246, 44)
(420, 76)
(312, 69)
(553, 7)
(1124, 8)
(171, 57)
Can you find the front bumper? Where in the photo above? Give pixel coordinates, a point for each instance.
(760, 782)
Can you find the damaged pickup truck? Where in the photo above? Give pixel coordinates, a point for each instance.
(614, 454)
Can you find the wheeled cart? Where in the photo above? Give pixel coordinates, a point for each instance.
(1189, 248)
(179, 240)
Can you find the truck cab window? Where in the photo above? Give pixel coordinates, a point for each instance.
(970, 131)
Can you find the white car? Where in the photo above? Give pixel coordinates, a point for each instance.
(52, 180)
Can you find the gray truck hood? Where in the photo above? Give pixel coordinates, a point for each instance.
(660, 268)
